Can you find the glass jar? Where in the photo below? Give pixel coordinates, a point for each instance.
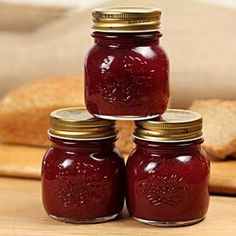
(126, 71)
(168, 172)
(83, 173)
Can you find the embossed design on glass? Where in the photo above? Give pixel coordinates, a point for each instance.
(89, 190)
(164, 190)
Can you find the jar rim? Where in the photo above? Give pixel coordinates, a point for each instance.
(169, 141)
(81, 139)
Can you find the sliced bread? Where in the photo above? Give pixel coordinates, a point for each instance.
(24, 112)
(219, 126)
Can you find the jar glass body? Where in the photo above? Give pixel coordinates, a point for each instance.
(167, 183)
(126, 76)
(83, 181)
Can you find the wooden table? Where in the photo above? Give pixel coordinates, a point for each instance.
(21, 213)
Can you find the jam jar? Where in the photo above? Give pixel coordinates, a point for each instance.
(168, 172)
(83, 172)
(126, 71)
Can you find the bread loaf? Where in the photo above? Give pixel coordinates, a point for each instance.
(24, 112)
(219, 126)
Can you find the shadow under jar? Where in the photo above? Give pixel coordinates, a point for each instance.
(83, 173)
(126, 71)
(168, 172)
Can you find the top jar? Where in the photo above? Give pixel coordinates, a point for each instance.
(126, 71)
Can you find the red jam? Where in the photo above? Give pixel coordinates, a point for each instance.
(126, 71)
(83, 181)
(168, 182)
(126, 75)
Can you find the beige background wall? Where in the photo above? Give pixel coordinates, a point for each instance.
(200, 39)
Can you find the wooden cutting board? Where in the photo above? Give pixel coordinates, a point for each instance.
(22, 214)
(20, 161)
(25, 161)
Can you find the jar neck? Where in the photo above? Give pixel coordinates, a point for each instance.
(121, 39)
(161, 147)
(85, 145)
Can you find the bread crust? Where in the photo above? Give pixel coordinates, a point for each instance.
(24, 112)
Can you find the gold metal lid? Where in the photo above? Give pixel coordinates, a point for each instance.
(78, 124)
(126, 19)
(174, 125)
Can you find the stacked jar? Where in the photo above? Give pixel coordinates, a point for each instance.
(126, 71)
(126, 78)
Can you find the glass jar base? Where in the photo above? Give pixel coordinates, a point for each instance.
(107, 117)
(85, 221)
(169, 224)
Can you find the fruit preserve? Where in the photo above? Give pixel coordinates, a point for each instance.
(83, 173)
(126, 71)
(167, 173)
